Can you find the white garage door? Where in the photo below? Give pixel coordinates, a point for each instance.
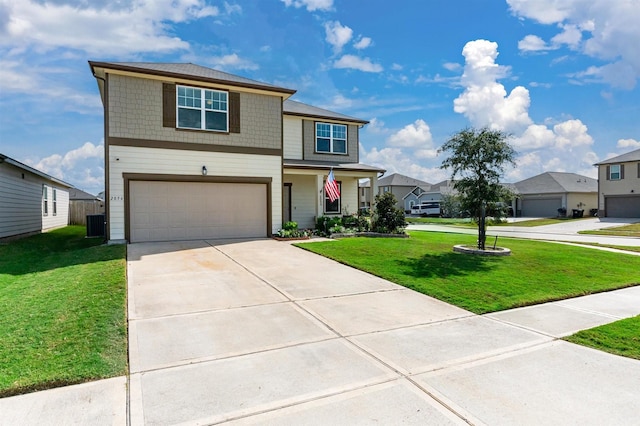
(541, 207)
(623, 206)
(171, 211)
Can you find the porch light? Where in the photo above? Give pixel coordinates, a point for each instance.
(204, 170)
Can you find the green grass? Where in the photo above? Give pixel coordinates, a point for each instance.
(536, 272)
(440, 221)
(620, 337)
(632, 230)
(541, 222)
(62, 298)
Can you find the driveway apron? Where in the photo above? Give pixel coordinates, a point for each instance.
(262, 332)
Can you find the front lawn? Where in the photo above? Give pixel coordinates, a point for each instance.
(536, 272)
(632, 230)
(620, 337)
(540, 222)
(63, 321)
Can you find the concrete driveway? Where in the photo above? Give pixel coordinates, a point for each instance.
(261, 332)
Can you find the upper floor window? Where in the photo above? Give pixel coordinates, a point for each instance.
(331, 138)
(55, 202)
(202, 109)
(615, 172)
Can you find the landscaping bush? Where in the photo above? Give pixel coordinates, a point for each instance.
(290, 230)
(387, 218)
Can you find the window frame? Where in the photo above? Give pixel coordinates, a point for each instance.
(54, 202)
(45, 200)
(619, 172)
(202, 107)
(327, 201)
(332, 139)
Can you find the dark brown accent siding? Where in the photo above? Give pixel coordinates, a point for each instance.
(128, 177)
(621, 171)
(168, 105)
(185, 146)
(608, 171)
(234, 112)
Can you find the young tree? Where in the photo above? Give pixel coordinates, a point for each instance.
(387, 218)
(477, 159)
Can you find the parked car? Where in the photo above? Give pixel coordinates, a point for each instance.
(426, 209)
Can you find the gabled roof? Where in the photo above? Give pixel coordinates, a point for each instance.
(290, 107)
(556, 182)
(78, 194)
(190, 72)
(396, 179)
(624, 158)
(16, 163)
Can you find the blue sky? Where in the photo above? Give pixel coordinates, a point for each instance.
(561, 76)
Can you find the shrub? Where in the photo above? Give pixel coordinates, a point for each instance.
(387, 218)
(290, 230)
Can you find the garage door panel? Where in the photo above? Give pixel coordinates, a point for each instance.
(164, 211)
(623, 206)
(541, 207)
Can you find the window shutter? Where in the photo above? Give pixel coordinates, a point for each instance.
(234, 112)
(621, 171)
(608, 172)
(639, 170)
(168, 105)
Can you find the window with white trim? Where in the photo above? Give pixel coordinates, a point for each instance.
(331, 138)
(614, 172)
(202, 109)
(45, 200)
(334, 207)
(55, 202)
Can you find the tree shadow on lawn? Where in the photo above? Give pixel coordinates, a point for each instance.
(447, 264)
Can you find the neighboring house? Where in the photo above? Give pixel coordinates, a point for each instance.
(426, 193)
(400, 185)
(544, 194)
(82, 204)
(619, 186)
(31, 201)
(193, 153)
(364, 195)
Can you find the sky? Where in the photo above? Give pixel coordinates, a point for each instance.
(559, 76)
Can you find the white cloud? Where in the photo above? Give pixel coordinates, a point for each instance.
(451, 66)
(362, 43)
(603, 29)
(628, 143)
(355, 62)
(310, 5)
(414, 135)
(82, 167)
(138, 27)
(337, 35)
(394, 160)
(485, 101)
(533, 43)
(232, 61)
(396, 67)
(570, 134)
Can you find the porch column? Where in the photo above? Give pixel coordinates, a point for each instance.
(373, 179)
(319, 193)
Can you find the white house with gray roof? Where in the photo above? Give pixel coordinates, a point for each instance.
(619, 186)
(544, 194)
(193, 153)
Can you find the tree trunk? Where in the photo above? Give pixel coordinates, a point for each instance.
(482, 229)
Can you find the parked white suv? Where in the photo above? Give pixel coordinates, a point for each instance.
(426, 209)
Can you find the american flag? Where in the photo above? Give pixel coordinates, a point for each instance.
(331, 187)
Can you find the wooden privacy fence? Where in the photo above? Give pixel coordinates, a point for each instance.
(79, 209)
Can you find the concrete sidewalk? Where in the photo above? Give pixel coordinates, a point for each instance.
(259, 332)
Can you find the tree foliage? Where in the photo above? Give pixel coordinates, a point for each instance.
(387, 218)
(477, 159)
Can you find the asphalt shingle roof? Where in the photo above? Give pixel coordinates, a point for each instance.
(624, 158)
(298, 108)
(396, 179)
(556, 182)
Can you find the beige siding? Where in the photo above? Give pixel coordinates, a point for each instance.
(309, 138)
(349, 194)
(631, 182)
(292, 138)
(166, 161)
(585, 201)
(303, 200)
(21, 203)
(135, 111)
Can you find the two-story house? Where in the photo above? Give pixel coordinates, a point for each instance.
(195, 153)
(400, 185)
(619, 186)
